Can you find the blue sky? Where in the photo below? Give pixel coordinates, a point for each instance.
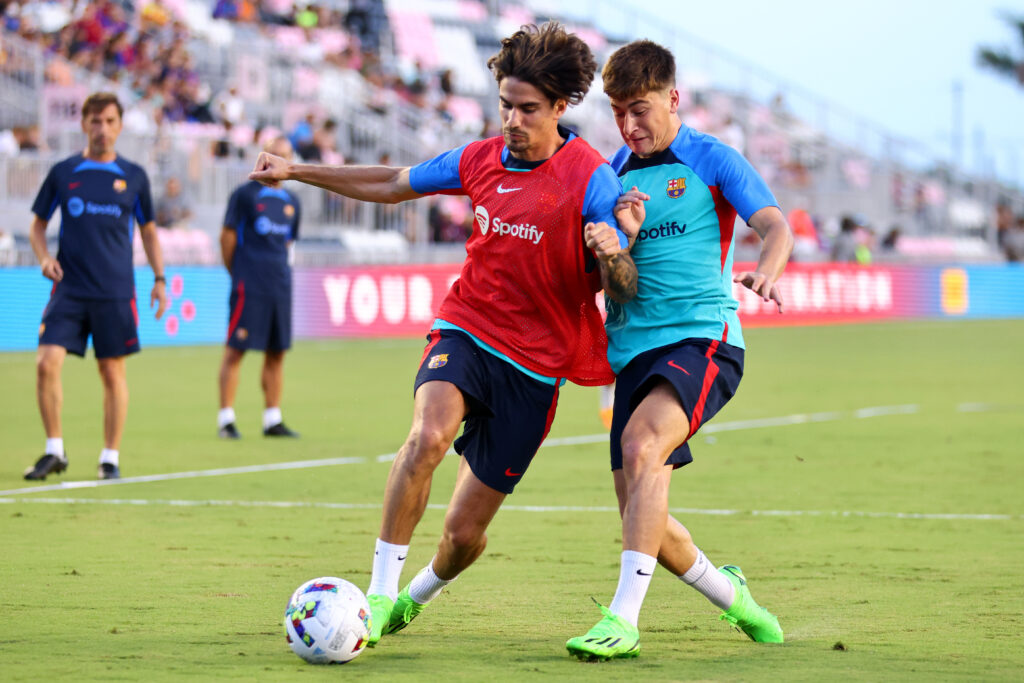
(890, 62)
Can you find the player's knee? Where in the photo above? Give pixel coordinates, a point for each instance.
(47, 366)
(641, 452)
(427, 444)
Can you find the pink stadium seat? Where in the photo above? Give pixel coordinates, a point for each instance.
(472, 10)
(414, 37)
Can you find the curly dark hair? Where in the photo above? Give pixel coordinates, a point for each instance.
(638, 68)
(557, 63)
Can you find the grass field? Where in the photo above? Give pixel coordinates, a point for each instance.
(887, 540)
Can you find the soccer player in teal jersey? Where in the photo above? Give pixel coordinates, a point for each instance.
(676, 347)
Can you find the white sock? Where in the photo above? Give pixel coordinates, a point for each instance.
(55, 447)
(271, 417)
(225, 416)
(109, 455)
(710, 582)
(634, 578)
(427, 585)
(388, 560)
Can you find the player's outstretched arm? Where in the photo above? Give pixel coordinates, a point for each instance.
(381, 184)
(37, 238)
(777, 245)
(618, 272)
(151, 245)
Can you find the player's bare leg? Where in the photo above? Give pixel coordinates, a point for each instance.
(227, 379)
(227, 385)
(438, 410)
(657, 426)
(272, 378)
(49, 390)
(470, 511)
(647, 441)
(678, 551)
(114, 375)
(50, 397)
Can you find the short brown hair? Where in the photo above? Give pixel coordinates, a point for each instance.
(637, 68)
(98, 101)
(557, 63)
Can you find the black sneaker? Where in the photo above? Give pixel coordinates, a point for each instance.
(108, 471)
(48, 464)
(229, 431)
(280, 430)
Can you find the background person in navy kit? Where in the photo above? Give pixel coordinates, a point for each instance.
(99, 194)
(260, 225)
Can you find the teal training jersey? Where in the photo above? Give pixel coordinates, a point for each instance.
(684, 249)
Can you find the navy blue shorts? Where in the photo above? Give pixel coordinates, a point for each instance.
(113, 323)
(704, 373)
(510, 412)
(259, 322)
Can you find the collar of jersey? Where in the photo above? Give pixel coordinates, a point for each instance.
(90, 165)
(273, 192)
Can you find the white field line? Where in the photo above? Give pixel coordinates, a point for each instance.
(513, 508)
(737, 425)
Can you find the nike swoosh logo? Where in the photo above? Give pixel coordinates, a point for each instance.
(678, 367)
(72, 186)
(510, 473)
(503, 190)
(643, 573)
(402, 558)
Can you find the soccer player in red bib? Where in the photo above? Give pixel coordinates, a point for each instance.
(101, 196)
(518, 322)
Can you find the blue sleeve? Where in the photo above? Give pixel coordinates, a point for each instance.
(438, 174)
(144, 202)
(298, 218)
(46, 201)
(603, 191)
(742, 186)
(235, 214)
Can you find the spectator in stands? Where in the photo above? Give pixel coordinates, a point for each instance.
(229, 106)
(301, 135)
(844, 248)
(891, 240)
(172, 209)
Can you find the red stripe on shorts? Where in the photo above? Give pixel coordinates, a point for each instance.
(551, 410)
(237, 313)
(435, 336)
(709, 380)
(135, 312)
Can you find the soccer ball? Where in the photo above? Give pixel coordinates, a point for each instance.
(327, 621)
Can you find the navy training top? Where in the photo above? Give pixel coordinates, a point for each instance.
(99, 204)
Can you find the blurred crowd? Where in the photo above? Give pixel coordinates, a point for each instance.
(148, 49)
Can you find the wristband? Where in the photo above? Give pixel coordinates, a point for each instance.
(159, 278)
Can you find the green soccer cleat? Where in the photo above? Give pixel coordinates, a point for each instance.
(611, 638)
(404, 611)
(747, 616)
(380, 612)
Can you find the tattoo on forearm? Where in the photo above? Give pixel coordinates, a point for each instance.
(618, 276)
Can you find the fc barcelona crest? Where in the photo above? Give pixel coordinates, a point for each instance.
(438, 361)
(676, 187)
(289, 210)
(120, 185)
